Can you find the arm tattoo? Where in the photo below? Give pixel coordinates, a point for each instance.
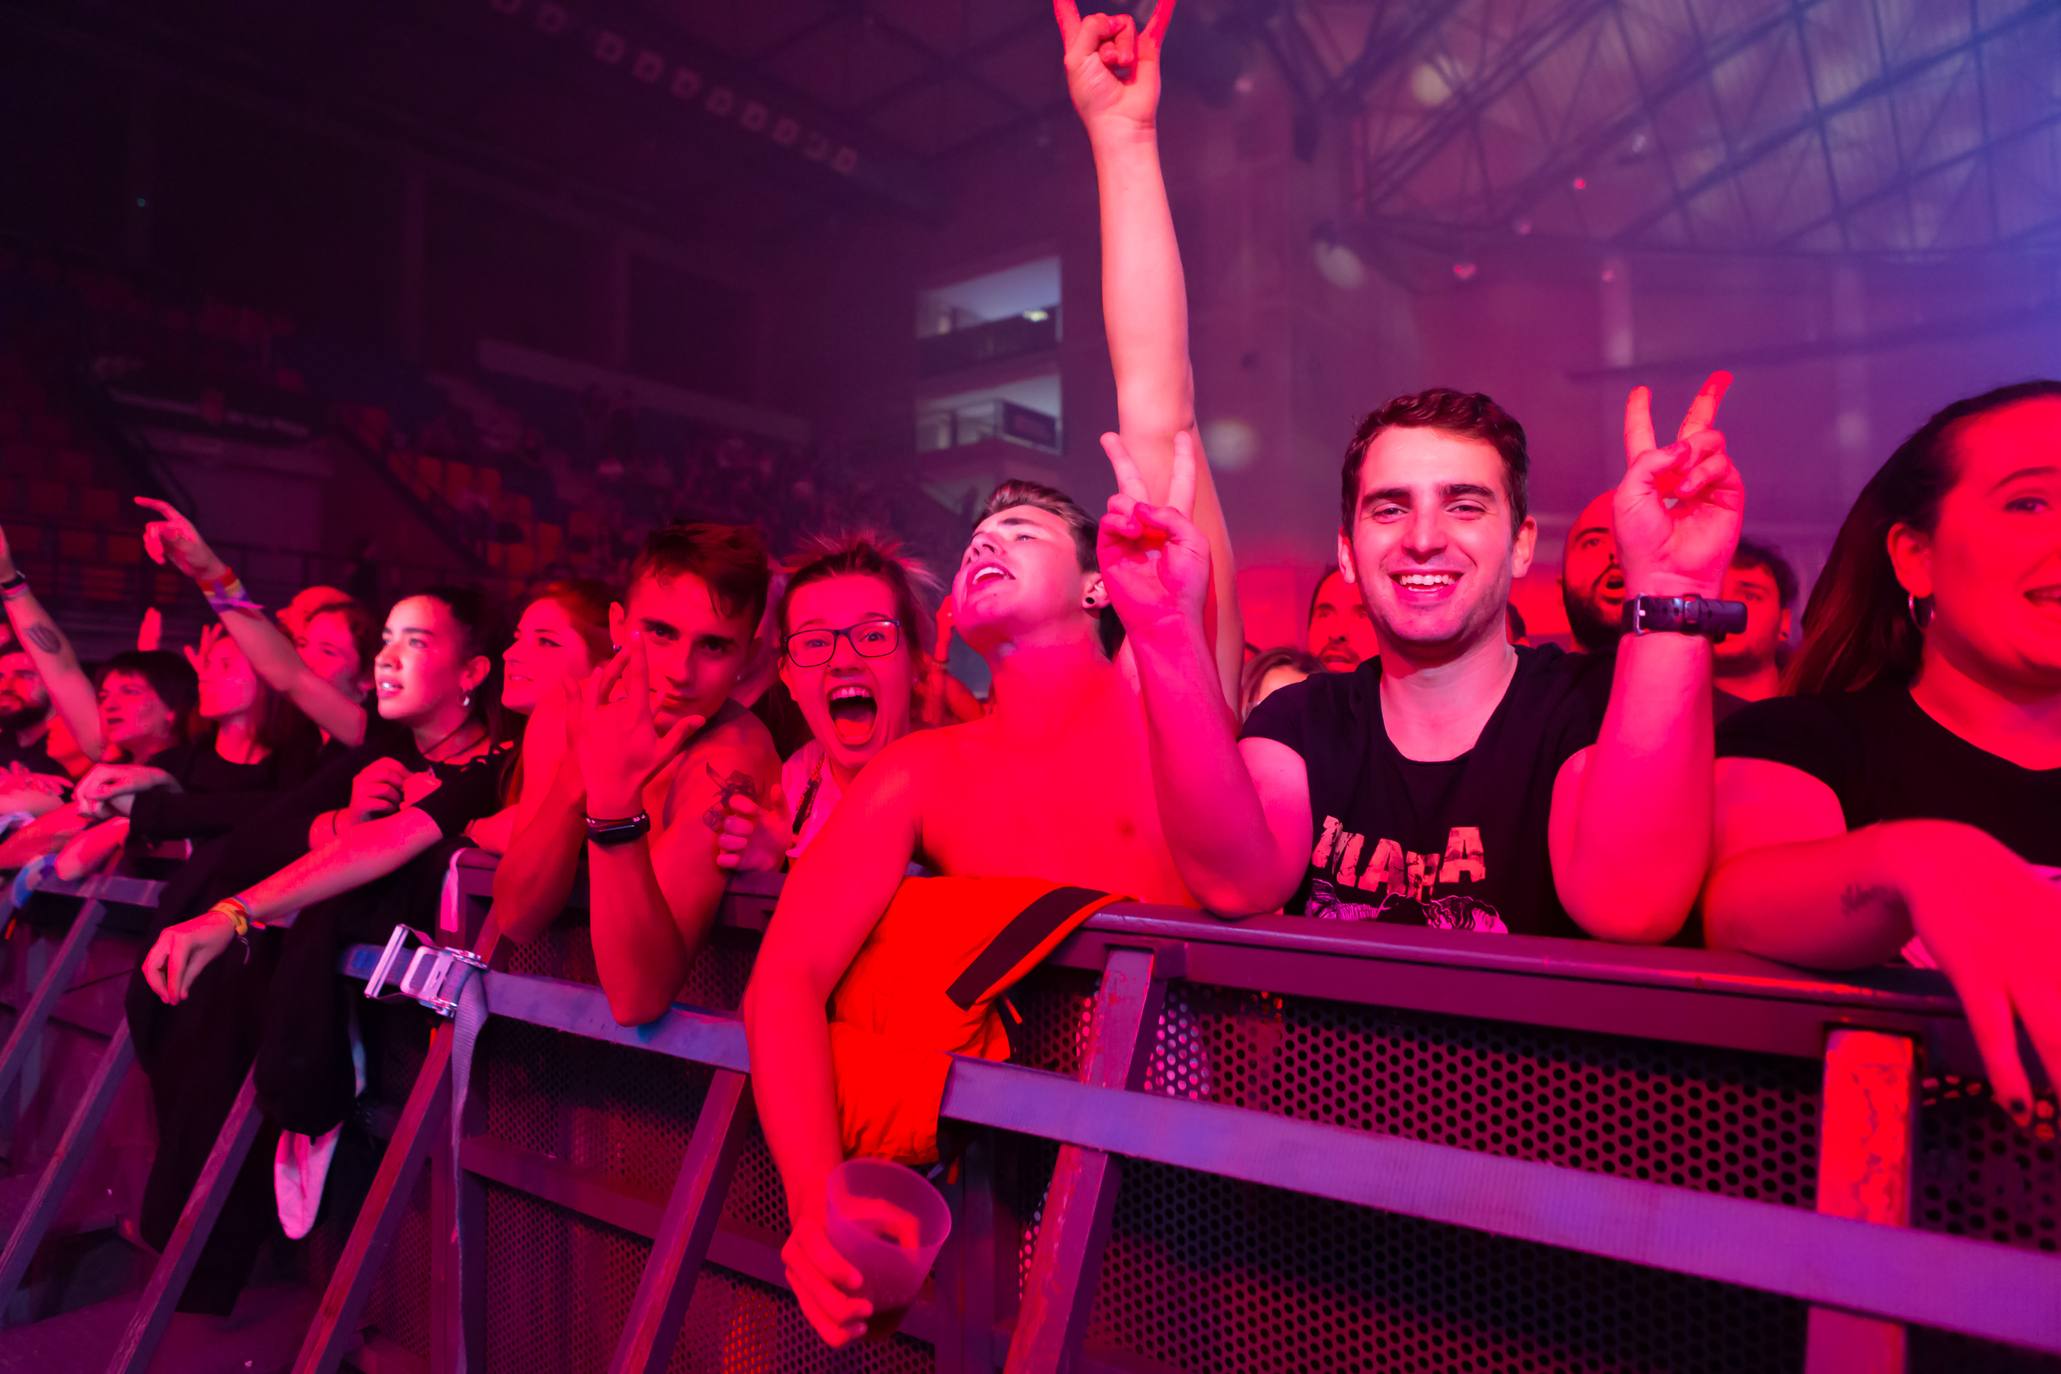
(46, 638)
(734, 785)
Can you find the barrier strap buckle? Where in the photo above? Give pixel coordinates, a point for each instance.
(434, 975)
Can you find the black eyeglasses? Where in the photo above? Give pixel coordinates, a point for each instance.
(869, 639)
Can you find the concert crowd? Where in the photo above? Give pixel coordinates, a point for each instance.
(1869, 777)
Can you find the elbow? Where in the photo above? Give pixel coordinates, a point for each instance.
(1629, 916)
(638, 1006)
(1236, 895)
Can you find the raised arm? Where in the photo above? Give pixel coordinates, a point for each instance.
(1789, 881)
(172, 538)
(1630, 825)
(1236, 816)
(1112, 75)
(71, 691)
(833, 897)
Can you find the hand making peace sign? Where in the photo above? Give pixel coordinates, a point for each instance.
(1112, 69)
(1155, 563)
(1679, 509)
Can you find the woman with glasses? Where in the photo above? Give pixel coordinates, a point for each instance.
(850, 626)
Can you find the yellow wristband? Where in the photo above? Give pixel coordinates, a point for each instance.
(238, 914)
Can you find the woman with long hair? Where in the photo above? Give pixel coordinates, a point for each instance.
(561, 638)
(201, 1020)
(1908, 797)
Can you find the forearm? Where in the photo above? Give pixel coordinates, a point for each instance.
(1144, 295)
(1641, 826)
(91, 848)
(1209, 809)
(371, 852)
(273, 658)
(536, 876)
(1836, 902)
(793, 1085)
(637, 949)
(71, 691)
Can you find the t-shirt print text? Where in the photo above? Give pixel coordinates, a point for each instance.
(1406, 885)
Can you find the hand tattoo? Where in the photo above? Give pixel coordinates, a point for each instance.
(735, 785)
(46, 638)
(1860, 897)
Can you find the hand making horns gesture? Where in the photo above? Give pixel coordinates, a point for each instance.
(1112, 69)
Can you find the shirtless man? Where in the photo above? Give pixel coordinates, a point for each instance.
(659, 748)
(1054, 784)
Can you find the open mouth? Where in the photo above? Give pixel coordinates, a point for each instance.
(388, 687)
(1610, 588)
(986, 575)
(853, 712)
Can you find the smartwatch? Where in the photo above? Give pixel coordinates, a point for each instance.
(606, 833)
(1684, 615)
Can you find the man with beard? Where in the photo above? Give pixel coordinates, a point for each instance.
(1591, 581)
(1341, 633)
(25, 721)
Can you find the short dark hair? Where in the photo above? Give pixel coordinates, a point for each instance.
(1017, 491)
(168, 674)
(863, 554)
(1754, 554)
(1469, 414)
(731, 559)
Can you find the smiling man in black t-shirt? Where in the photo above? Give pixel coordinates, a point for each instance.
(1457, 781)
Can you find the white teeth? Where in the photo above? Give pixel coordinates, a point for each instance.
(1427, 579)
(985, 573)
(848, 692)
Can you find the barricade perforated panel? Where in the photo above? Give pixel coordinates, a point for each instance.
(1741, 1125)
(541, 1323)
(1209, 1275)
(621, 1114)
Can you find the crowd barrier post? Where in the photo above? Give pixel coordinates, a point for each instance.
(1060, 1288)
(686, 1227)
(81, 1138)
(421, 1134)
(175, 1265)
(1867, 1143)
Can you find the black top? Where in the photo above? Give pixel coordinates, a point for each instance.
(33, 757)
(1457, 844)
(1886, 760)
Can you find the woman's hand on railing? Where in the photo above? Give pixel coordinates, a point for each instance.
(104, 782)
(1993, 925)
(753, 838)
(172, 538)
(183, 950)
(827, 1286)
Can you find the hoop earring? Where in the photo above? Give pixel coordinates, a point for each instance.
(1920, 621)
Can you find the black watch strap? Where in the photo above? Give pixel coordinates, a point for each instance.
(1684, 615)
(607, 833)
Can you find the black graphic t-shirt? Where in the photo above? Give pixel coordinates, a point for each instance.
(1886, 760)
(1458, 844)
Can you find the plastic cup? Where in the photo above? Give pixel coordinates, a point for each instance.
(890, 1223)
